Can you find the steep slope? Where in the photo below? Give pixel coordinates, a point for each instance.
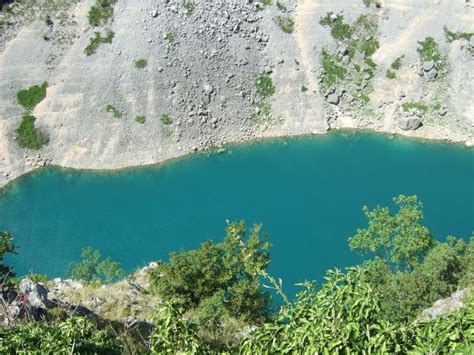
(203, 60)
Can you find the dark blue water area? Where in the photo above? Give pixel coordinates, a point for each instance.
(307, 192)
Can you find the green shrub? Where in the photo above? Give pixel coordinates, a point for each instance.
(367, 3)
(29, 136)
(100, 13)
(141, 63)
(263, 3)
(280, 6)
(332, 71)
(407, 106)
(140, 119)
(75, 335)
(170, 37)
(31, 97)
(287, 24)
(345, 316)
(115, 112)
(173, 334)
(166, 119)
(263, 112)
(454, 36)
(264, 85)
(390, 74)
(304, 88)
(188, 6)
(364, 98)
(397, 63)
(6, 247)
(91, 269)
(429, 50)
(96, 41)
(193, 277)
(339, 29)
(369, 46)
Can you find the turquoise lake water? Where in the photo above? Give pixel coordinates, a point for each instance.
(307, 192)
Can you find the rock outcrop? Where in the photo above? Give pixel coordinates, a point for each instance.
(445, 306)
(200, 66)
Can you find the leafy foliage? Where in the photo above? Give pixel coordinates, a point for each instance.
(96, 41)
(141, 63)
(32, 96)
(397, 63)
(264, 86)
(173, 334)
(166, 119)
(72, 336)
(407, 106)
(454, 36)
(6, 247)
(345, 316)
(92, 269)
(429, 50)
(188, 6)
(281, 6)
(339, 29)
(286, 23)
(390, 74)
(332, 71)
(140, 119)
(193, 277)
(171, 37)
(29, 136)
(400, 239)
(100, 13)
(115, 112)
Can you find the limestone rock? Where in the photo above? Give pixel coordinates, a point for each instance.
(35, 293)
(409, 123)
(333, 99)
(427, 66)
(445, 306)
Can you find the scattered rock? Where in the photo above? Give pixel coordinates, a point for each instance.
(427, 66)
(409, 123)
(432, 74)
(35, 293)
(333, 99)
(445, 306)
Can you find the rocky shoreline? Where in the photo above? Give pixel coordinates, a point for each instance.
(334, 66)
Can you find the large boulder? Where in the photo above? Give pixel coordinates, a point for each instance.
(458, 299)
(35, 293)
(409, 123)
(429, 65)
(333, 99)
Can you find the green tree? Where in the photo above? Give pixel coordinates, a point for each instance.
(230, 266)
(29, 136)
(6, 247)
(91, 269)
(398, 238)
(467, 279)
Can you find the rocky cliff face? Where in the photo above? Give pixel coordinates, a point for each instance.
(182, 76)
(128, 301)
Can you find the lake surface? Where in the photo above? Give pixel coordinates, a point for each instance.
(307, 192)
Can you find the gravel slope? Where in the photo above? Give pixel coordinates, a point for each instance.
(205, 79)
